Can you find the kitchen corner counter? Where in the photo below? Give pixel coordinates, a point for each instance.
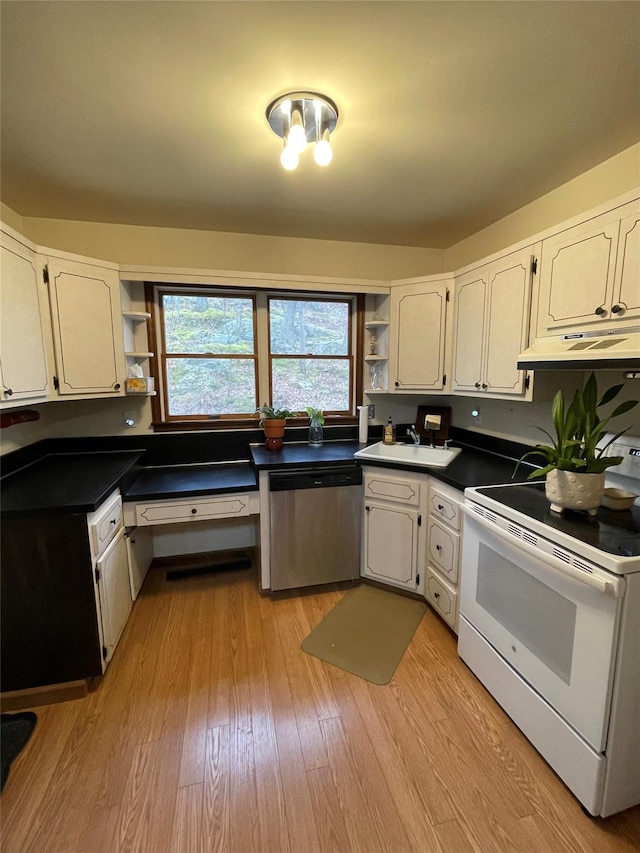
(302, 454)
(65, 482)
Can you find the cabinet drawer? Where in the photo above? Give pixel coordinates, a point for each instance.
(395, 486)
(104, 523)
(443, 549)
(178, 511)
(445, 506)
(443, 598)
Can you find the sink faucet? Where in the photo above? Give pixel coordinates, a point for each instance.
(414, 435)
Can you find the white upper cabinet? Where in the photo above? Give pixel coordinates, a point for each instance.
(491, 326)
(87, 327)
(417, 336)
(23, 364)
(590, 275)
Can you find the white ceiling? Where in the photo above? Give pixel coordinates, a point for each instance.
(452, 114)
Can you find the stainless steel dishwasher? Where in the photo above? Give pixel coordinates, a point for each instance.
(315, 526)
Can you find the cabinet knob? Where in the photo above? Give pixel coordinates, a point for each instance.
(194, 511)
(484, 386)
(8, 392)
(116, 386)
(368, 508)
(397, 384)
(440, 507)
(477, 384)
(438, 547)
(600, 311)
(617, 309)
(436, 595)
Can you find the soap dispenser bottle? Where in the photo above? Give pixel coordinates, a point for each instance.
(389, 434)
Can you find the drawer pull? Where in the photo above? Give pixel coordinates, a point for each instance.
(194, 511)
(113, 521)
(436, 595)
(440, 507)
(438, 547)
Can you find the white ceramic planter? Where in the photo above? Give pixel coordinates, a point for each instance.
(570, 490)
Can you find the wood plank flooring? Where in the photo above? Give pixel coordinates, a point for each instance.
(213, 731)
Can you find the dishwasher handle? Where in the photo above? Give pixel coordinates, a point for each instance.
(315, 478)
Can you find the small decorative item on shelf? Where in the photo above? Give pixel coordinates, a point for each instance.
(316, 422)
(375, 373)
(576, 464)
(373, 345)
(273, 422)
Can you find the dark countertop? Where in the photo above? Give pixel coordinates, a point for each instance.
(472, 467)
(65, 482)
(180, 481)
(330, 453)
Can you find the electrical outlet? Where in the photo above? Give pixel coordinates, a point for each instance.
(372, 411)
(476, 415)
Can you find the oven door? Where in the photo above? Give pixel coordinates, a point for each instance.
(556, 625)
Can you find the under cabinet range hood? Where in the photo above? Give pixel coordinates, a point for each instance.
(584, 351)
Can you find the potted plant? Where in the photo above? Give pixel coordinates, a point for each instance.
(273, 422)
(575, 461)
(316, 422)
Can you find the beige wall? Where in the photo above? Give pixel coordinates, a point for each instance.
(597, 186)
(215, 250)
(11, 218)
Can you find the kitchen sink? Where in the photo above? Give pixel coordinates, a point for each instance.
(411, 454)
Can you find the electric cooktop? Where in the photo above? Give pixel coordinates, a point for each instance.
(615, 532)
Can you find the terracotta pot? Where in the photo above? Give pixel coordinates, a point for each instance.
(274, 432)
(571, 490)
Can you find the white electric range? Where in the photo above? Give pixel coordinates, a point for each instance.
(550, 624)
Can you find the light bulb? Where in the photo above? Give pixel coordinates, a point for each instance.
(297, 138)
(323, 153)
(289, 158)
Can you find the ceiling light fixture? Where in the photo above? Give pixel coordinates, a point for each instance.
(302, 117)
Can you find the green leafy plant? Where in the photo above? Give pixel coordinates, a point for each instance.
(579, 431)
(316, 415)
(268, 413)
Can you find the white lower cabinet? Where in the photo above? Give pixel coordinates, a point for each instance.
(110, 566)
(114, 593)
(443, 551)
(393, 527)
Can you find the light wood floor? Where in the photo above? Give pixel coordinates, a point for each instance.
(213, 731)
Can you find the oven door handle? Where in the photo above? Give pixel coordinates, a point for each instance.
(606, 587)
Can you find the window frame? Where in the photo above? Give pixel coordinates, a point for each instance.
(162, 422)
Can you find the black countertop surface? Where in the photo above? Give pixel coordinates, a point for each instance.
(302, 454)
(472, 467)
(181, 481)
(65, 482)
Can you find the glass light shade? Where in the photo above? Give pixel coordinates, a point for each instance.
(323, 153)
(289, 158)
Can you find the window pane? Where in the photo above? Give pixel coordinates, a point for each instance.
(302, 382)
(203, 386)
(313, 327)
(202, 324)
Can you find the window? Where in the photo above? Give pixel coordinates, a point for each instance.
(221, 353)
(310, 353)
(209, 354)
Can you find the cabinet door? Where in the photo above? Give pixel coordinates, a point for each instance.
(418, 316)
(114, 593)
(507, 324)
(576, 276)
(390, 552)
(471, 294)
(22, 355)
(87, 328)
(626, 292)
